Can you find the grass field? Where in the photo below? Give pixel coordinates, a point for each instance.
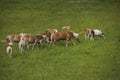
(98, 60)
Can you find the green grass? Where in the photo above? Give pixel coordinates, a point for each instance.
(98, 60)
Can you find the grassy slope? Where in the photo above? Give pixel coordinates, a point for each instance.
(99, 60)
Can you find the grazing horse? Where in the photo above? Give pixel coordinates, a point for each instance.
(90, 34)
(36, 40)
(28, 39)
(67, 35)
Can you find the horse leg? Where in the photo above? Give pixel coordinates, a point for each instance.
(85, 36)
(35, 43)
(10, 54)
(67, 41)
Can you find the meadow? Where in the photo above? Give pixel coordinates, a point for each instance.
(87, 60)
